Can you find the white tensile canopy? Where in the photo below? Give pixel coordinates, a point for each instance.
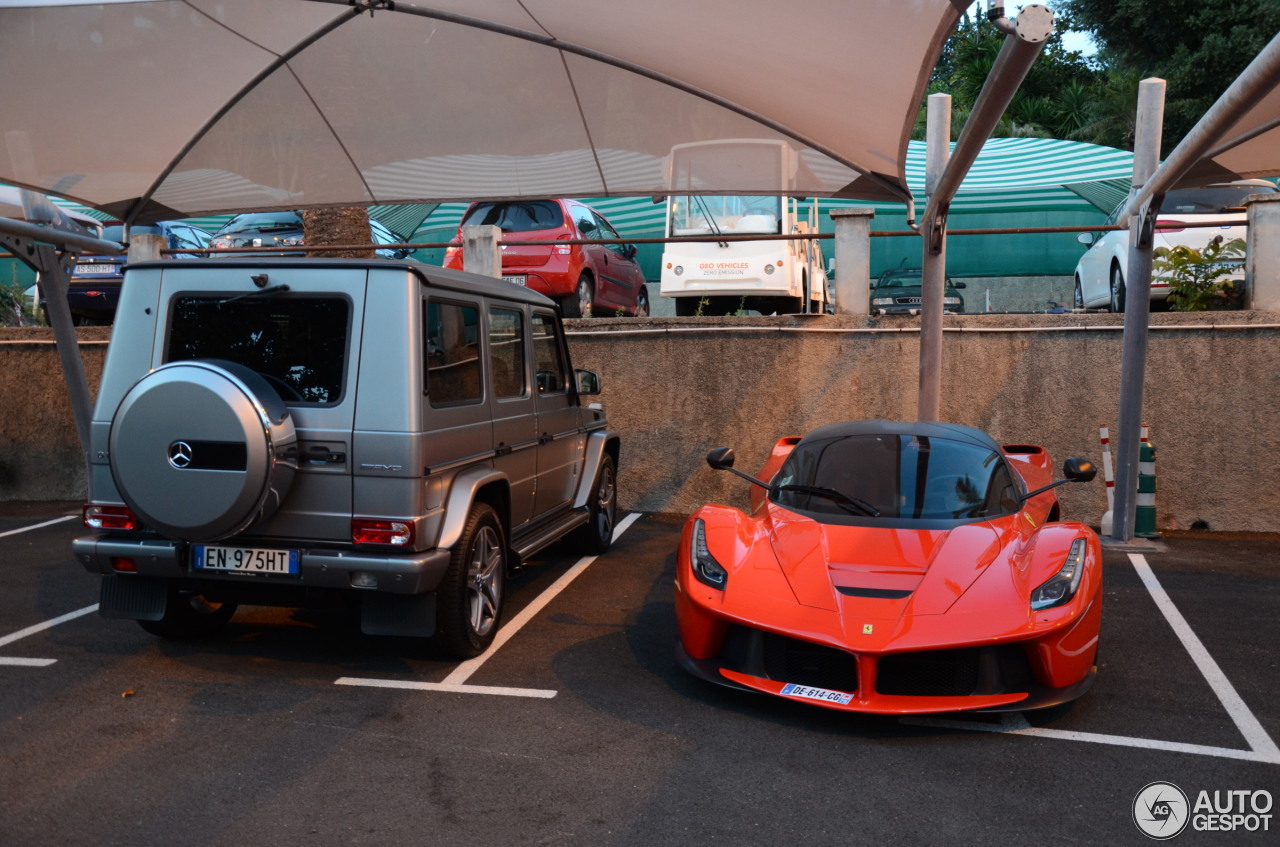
(177, 108)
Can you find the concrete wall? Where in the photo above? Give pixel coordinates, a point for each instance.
(1008, 294)
(675, 388)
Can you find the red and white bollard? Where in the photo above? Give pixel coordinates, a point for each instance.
(1109, 475)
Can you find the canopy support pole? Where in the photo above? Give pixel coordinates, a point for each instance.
(52, 253)
(1033, 29)
(1137, 306)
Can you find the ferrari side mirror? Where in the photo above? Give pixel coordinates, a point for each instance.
(721, 458)
(1079, 470)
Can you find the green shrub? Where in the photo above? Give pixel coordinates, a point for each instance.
(1198, 279)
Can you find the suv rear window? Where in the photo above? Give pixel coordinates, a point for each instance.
(299, 344)
(523, 216)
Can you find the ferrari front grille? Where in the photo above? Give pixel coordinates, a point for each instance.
(955, 673)
(932, 673)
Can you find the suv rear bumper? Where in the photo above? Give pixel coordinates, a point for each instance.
(406, 573)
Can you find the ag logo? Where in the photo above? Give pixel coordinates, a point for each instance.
(1161, 810)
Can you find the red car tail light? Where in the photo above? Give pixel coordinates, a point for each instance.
(1166, 225)
(96, 516)
(395, 533)
(567, 249)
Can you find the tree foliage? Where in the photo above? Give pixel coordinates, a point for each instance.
(1198, 48)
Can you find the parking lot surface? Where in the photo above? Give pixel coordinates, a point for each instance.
(579, 729)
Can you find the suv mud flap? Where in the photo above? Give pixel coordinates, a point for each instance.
(138, 598)
(412, 615)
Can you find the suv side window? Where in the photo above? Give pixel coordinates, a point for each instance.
(453, 354)
(506, 352)
(547, 358)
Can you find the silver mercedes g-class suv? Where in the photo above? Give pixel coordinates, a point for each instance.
(289, 431)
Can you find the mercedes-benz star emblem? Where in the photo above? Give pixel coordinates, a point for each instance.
(180, 454)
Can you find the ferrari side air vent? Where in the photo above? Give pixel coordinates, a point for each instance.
(763, 654)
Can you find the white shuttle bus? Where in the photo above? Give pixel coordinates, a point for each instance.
(781, 275)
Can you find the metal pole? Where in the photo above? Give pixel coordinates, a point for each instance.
(1205, 138)
(1137, 306)
(1026, 39)
(933, 263)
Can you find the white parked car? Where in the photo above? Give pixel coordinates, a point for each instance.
(1100, 273)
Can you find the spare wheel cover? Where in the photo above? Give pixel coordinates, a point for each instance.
(201, 449)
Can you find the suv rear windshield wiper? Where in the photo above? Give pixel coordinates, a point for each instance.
(273, 289)
(852, 505)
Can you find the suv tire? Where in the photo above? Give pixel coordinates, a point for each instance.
(201, 449)
(469, 598)
(595, 538)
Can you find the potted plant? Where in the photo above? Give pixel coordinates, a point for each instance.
(1200, 280)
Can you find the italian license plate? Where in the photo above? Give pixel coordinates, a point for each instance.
(518, 279)
(244, 559)
(94, 269)
(810, 693)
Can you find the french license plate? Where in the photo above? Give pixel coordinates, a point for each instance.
(94, 269)
(518, 279)
(244, 559)
(810, 693)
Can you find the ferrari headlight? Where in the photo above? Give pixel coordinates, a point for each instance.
(705, 566)
(1062, 586)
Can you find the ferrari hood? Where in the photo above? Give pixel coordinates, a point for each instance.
(878, 572)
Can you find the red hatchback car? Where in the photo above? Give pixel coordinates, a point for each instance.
(586, 279)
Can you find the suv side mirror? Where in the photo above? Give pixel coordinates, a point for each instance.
(588, 381)
(1079, 470)
(721, 458)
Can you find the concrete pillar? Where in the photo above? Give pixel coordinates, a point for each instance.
(1262, 262)
(480, 251)
(853, 260)
(146, 248)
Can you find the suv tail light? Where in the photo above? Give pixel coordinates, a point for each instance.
(96, 516)
(395, 533)
(1166, 225)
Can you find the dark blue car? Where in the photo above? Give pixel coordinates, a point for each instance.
(96, 280)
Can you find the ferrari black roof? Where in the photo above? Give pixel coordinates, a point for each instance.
(927, 429)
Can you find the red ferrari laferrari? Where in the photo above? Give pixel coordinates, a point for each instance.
(894, 568)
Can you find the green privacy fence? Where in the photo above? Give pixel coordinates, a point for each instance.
(1015, 182)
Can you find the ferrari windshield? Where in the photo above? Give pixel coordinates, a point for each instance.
(901, 476)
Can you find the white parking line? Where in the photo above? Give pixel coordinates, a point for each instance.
(1261, 747)
(39, 525)
(454, 682)
(32, 630)
(40, 627)
(540, 693)
(1245, 721)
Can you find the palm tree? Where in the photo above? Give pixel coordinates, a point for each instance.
(338, 225)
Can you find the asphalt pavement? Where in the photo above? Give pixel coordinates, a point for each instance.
(293, 728)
